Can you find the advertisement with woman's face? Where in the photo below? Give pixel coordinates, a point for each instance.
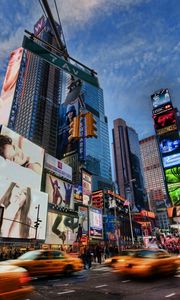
(9, 85)
(60, 192)
(20, 160)
(21, 207)
(61, 229)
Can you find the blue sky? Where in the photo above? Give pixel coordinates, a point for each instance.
(134, 45)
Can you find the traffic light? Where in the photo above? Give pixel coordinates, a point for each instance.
(74, 129)
(90, 125)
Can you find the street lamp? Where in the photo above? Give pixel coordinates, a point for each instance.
(129, 210)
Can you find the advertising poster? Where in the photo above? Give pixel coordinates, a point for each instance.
(60, 192)
(77, 193)
(95, 223)
(9, 85)
(173, 184)
(160, 97)
(165, 122)
(61, 229)
(57, 166)
(86, 187)
(21, 161)
(83, 218)
(67, 114)
(20, 211)
(170, 149)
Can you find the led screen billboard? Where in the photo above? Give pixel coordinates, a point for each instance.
(60, 192)
(171, 160)
(21, 210)
(86, 187)
(9, 85)
(21, 161)
(77, 189)
(165, 122)
(61, 229)
(67, 113)
(58, 167)
(173, 184)
(95, 223)
(169, 144)
(160, 97)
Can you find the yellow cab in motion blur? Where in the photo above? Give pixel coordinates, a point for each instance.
(14, 283)
(46, 262)
(146, 262)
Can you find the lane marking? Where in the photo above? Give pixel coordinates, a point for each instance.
(170, 295)
(98, 286)
(124, 281)
(70, 291)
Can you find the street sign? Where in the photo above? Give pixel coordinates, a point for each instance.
(58, 61)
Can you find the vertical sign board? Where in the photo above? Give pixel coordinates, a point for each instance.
(86, 187)
(95, 223)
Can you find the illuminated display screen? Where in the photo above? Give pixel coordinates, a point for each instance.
(173, 184)
(171, 160)
(165, 122)
(95, 223)
(161, 97)
(162, 109)
(170, 144)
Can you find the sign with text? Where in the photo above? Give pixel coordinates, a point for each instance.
(57, 166)
(86, 187)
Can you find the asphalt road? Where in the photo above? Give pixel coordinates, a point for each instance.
(101, 283)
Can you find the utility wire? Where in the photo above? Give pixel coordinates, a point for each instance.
(59, 20)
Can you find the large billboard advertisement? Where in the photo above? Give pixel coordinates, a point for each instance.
(160, 97)
(58, 167)
(22, 205)
(61, 229)
(77, 189)
(83, 218)
(67, 114)
(95, 223)
(86, 187)
(169, 146)
(60, 192)
(173, 184)
(9, 85)
(21, 161)
(165, 122)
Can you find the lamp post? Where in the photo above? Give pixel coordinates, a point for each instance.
(129, 210)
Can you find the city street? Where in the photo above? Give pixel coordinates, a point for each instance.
(101, 283)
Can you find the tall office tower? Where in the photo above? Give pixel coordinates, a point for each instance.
(37, 97)
(127, 163)
(93, 153)
(154, 179)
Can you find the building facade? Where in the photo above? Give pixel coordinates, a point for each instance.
(127, 164)
(154, 179)
(35, 108)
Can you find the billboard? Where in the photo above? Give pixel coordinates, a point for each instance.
(21, 161)
(83, 218)
(160, 97)
(165, 122)
(95, 223)
(58, 167)
(9, 85)
(86, 187)
(173, 184)
(169, 144)
(60, 192)
(20, 211)
(173, 211)
(61, 229)
(77, 193)
(67, 113)
(171, 160)
(162, 109)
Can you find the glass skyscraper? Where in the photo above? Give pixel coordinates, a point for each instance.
(38, 94)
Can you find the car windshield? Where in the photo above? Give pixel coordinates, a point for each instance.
(29, 255)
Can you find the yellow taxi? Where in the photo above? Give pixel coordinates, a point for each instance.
(146, 262)
(14, 283)
(46, 262)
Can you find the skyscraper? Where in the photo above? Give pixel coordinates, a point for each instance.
(127, 163)
(154, 179)
(37, 98)
(96, 151)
